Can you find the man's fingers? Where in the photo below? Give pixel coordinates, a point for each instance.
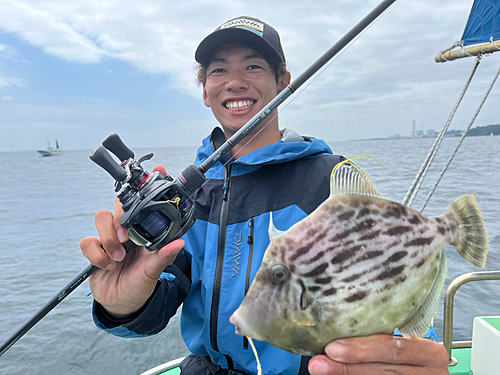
(117, 215)
(171, 249)
(108, 236)
(381, 354)
(91, 249)
(322, 365)
(161, 169)
(387, 349)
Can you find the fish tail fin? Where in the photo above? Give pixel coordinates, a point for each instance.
(472, 241)
(421, 319)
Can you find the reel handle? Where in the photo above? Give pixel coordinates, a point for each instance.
(114, 144)
(103, 159)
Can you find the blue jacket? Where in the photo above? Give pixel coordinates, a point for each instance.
(228, 240)
(225, 247)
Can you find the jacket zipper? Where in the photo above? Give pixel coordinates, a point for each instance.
(249, 267)
(221, 244)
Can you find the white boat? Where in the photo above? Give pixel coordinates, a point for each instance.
(51, 151)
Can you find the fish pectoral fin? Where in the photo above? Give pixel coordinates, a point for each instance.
(348, 178)
(304, 318)
(273, 232)
(421, 319)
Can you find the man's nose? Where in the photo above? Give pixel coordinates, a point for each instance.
(236, 82)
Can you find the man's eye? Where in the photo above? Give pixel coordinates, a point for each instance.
(252, 67)
(217, 70)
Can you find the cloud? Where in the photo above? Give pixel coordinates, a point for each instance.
(7, 52)
(46, 26)
(159, 38)
(11, 81)
(46, 125)
(384, 80)
(41, 125)
(152, 35)
(7, 98)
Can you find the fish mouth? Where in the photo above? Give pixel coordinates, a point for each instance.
(238, 331)
(234, 320)
(240, 327)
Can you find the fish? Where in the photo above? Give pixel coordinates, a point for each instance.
(358, 265)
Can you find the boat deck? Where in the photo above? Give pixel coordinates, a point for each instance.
(462, 355)
(462, 367)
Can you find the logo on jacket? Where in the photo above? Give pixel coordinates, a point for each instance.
(236, 254)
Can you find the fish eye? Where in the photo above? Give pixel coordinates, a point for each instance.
(279, 273)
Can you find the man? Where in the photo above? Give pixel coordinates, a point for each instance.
(242, 67)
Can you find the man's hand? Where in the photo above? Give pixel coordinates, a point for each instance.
(381, 354)
(126, 280)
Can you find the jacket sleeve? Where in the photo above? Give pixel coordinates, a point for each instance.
(171, 290)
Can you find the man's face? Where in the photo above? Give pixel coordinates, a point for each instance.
(239, 84)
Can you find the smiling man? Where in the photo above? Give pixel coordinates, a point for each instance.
(208, 271)
(242, 68)
(239, 83)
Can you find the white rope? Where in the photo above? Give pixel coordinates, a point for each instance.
(493, 45)
(459, 143)
(419, 178)
(459, 43)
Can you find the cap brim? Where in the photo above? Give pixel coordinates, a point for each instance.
(220, 37)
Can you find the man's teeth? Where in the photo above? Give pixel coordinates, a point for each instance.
(240, 104)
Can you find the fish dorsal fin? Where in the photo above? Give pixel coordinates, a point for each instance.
(348, 178)
(273, 232)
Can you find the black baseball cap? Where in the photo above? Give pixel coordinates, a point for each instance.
(247, 30)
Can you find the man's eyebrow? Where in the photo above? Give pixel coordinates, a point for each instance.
(250, 56)
(218, 60)
(255, 55)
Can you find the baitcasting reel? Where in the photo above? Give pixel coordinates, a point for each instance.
(156, 209)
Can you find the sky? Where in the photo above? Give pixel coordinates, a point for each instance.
(81, 70)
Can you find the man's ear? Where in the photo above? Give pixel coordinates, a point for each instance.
(205, 96)
(284, 81)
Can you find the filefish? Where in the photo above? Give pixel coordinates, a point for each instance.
(358, 265)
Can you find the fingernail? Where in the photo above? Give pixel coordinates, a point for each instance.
(121, 233)
(118, 255)
(335, 350)
(318, 367)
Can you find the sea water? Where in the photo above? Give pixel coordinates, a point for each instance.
(47, 206)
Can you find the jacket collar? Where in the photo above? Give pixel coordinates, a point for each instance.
(291, 146)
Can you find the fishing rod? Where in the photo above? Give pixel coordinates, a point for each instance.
(158, 209)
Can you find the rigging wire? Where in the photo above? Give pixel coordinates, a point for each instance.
(419, 178)
(459, 142)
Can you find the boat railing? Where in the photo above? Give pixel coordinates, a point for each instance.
(448, 309)
(164, 367)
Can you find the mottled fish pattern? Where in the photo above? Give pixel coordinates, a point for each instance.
(358, 265)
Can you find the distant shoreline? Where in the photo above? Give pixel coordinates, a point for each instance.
(407, 137)
(486, 131)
